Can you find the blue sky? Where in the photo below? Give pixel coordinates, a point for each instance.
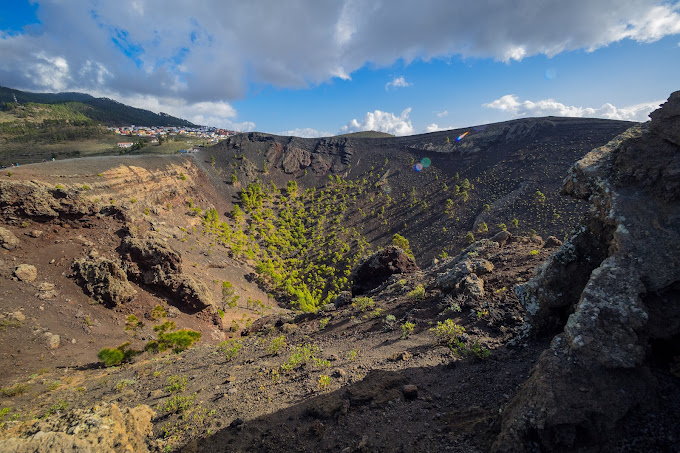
(314, 68)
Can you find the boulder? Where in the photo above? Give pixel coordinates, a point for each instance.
(8, 240)
(343, 299)
(376, 269)
(609, 294)
(52, 340)
(451, 280)
(501, 237)
(103, 280)
(552, 242)
(26, 272)
(151, 262)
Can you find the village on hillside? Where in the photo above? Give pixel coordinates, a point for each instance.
(158, 133)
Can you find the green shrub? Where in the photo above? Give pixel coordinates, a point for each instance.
(177, 341)
(407, 329)
(389, 322)
(448, 331)
(469, 237)
(158, 312)
(178, 404)
(324, 381)
(230, 348)
(533, 252)
(323, 323)
(15, 390)
(176, 383)
(116, 356)
(133, 324)
(277, 344)
(418, 293)
(363, 303)
(401, 242)
(302, 355)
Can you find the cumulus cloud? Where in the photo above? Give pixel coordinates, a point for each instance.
(383, 122)
(305, 132)
(216, 49)
(550, 107)
(398, 82)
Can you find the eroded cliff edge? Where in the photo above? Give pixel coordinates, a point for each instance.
(610, 295)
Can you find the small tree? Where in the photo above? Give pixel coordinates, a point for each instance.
(116, 356)
(469, 237)
(177, 341)
(539, 197)
(401, 242)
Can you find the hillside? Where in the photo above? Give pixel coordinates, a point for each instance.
(315, 334)
(505, 175)
(101, 110)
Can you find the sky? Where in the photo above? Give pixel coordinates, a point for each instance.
(325, 67)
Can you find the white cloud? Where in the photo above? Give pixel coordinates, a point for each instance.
(216, 49)
(383, 122)
(218, 113)
(443, 114)
(305, 132)
(398, 82)
(434, 127)
(550, 107)
(50, 71)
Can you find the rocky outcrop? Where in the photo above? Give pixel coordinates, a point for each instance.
(103, 428)
(295, 159)
(461, 274)
(103, 280)
(376, 269)
(8, 240)
(151, 262)
(610, 292)
(40, 200)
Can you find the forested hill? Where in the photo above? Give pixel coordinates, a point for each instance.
(103, 110)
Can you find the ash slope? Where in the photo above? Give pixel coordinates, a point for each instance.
(506, 164)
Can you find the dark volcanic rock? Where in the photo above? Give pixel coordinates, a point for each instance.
(151, 255)
(151, 262)
(103, 280)
(551, 242)
(376, 269)
(460, 274)
(619, 277)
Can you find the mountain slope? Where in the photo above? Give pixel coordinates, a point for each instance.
(103, 110)
(504, 175)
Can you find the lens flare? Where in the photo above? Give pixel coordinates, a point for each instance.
(425, 162)
(419, 167)
(460, 137)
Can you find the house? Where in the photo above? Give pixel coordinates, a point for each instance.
(125, 144)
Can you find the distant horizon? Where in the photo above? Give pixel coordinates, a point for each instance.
(349, 66)
(335, 135)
